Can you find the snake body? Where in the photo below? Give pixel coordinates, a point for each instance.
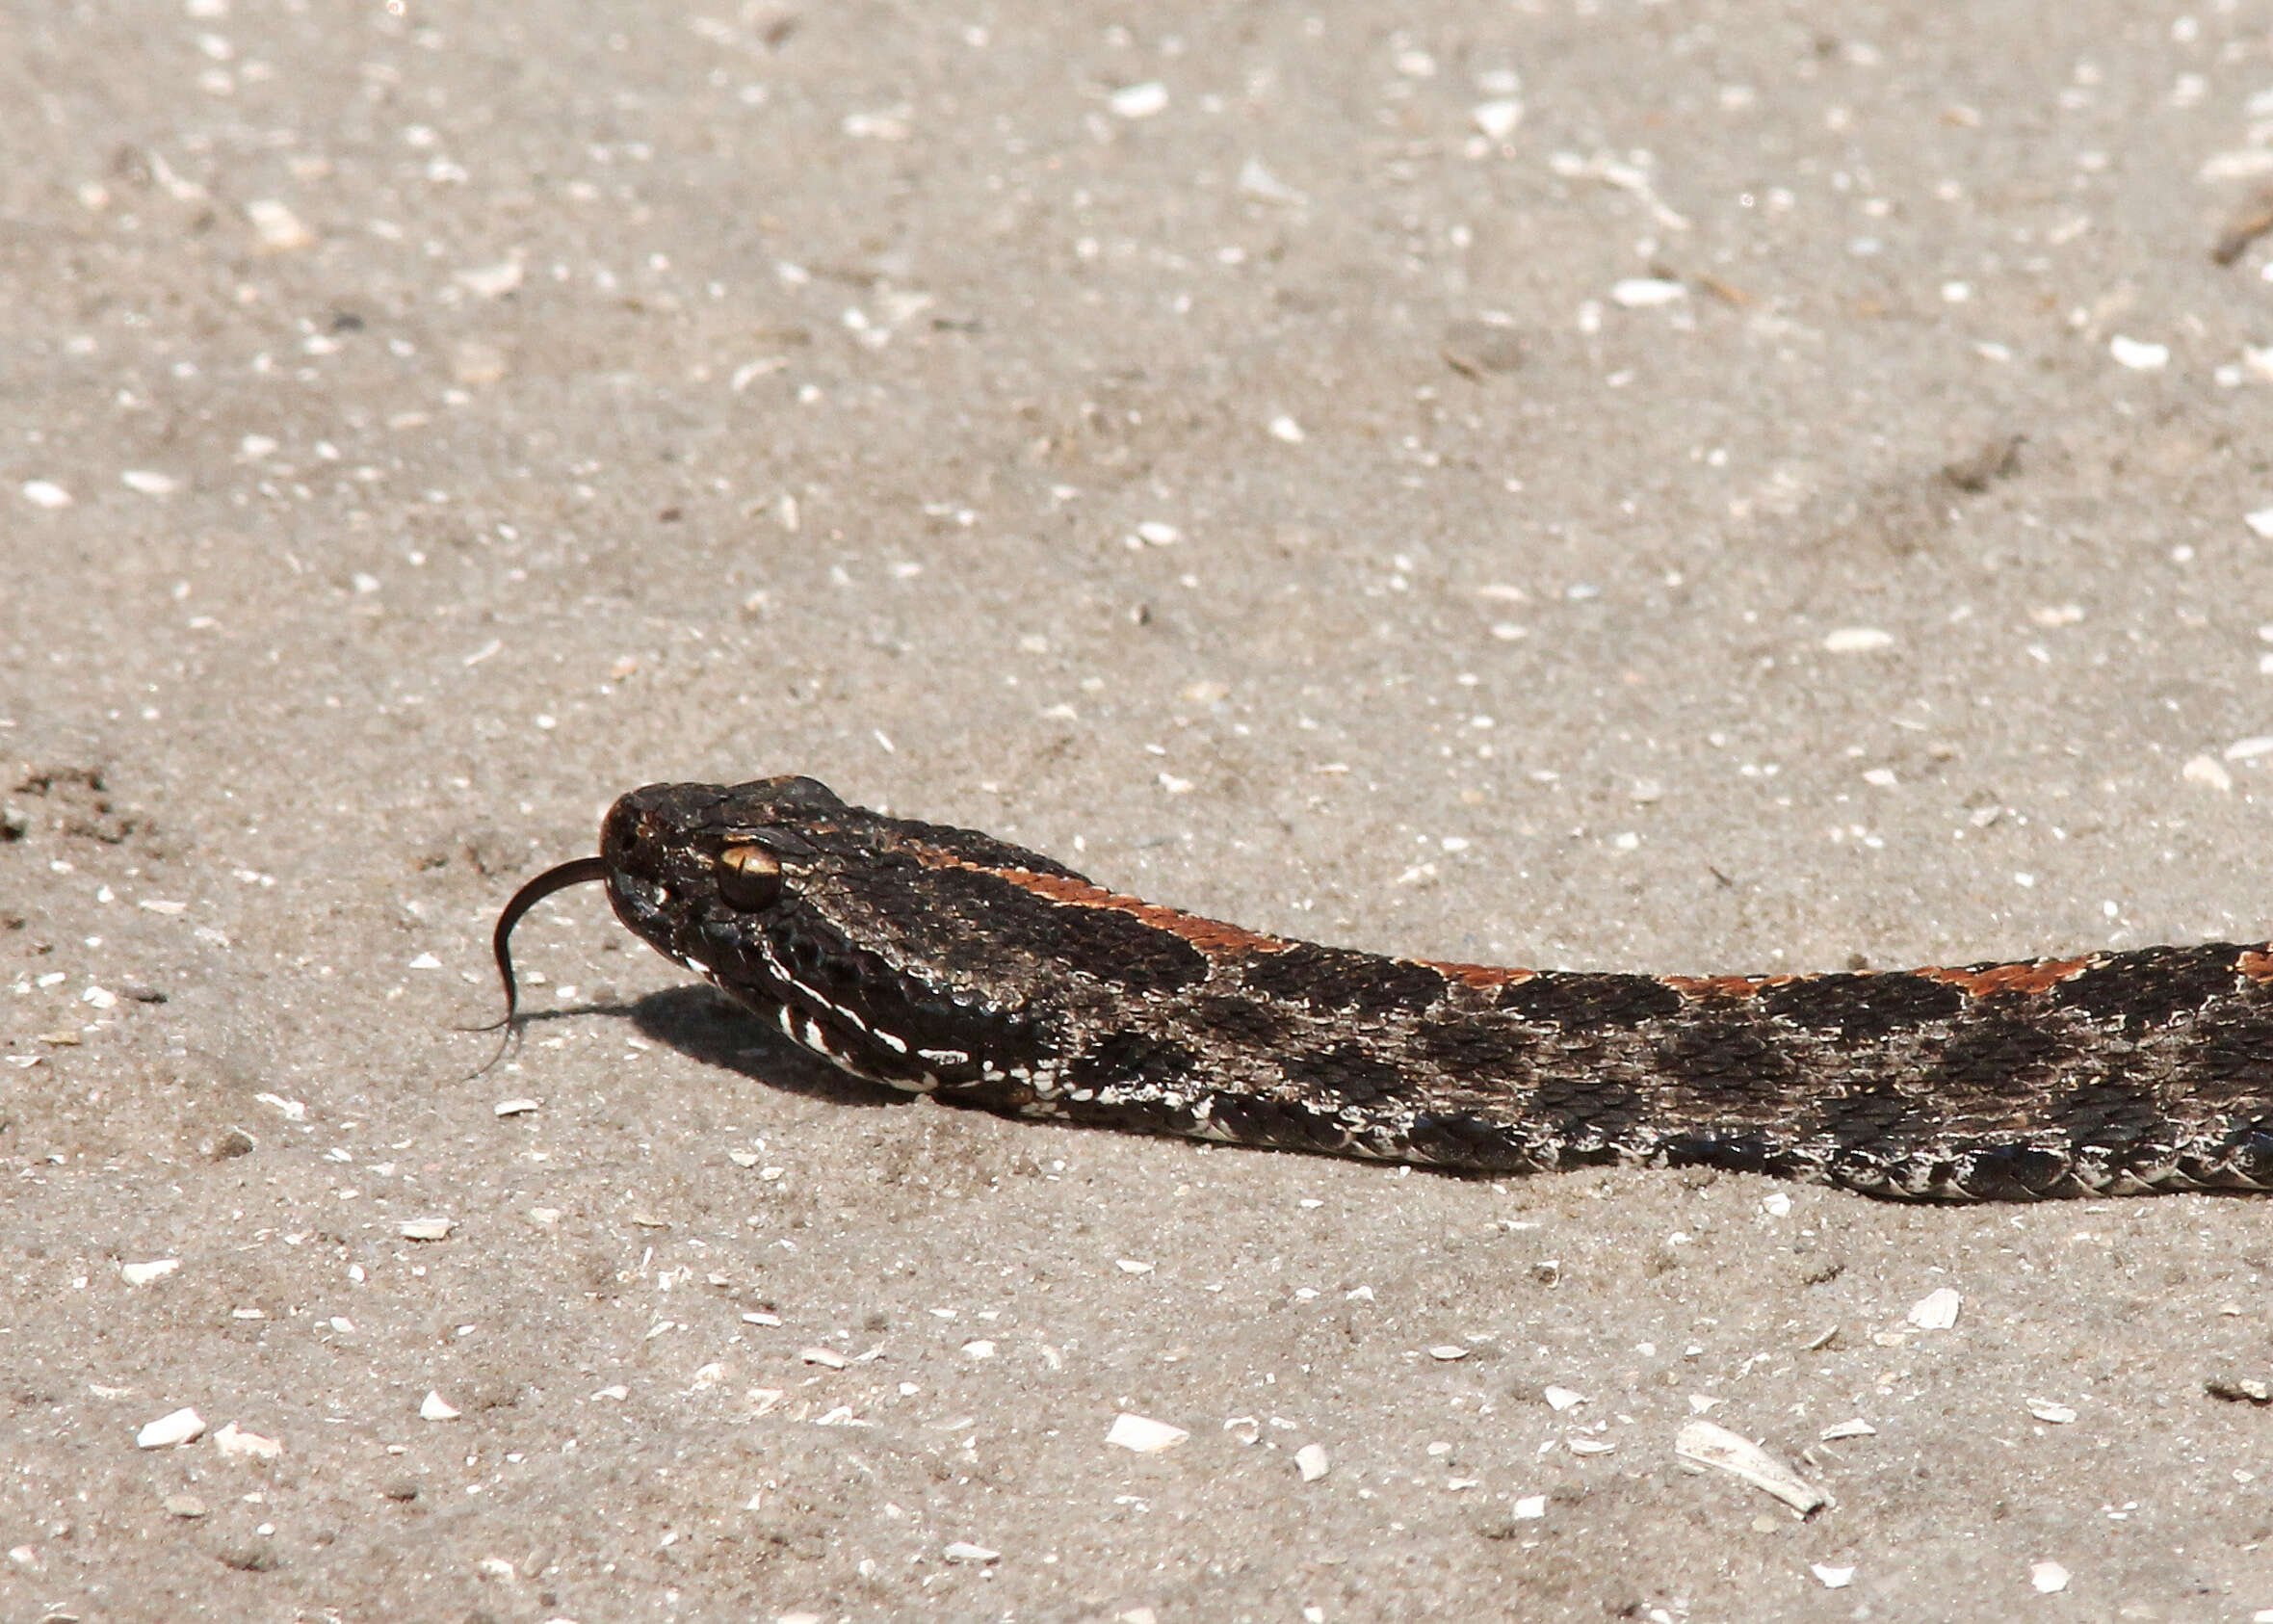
(949, 962)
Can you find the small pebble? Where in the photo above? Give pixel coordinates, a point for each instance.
(150, 482)
(2261, 522)
(426, 1229)
(45, 493)
(184, 1506)
(1857, 640)
(1832, 1577)
(1312, 1462)
(142, 1274)
(434, 1407)
(2049, 1578)
(828, 1358)
(963, 1551)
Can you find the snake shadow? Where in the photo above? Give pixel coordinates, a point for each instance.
(704, 1026)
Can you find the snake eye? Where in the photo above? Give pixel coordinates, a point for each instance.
(749, 878)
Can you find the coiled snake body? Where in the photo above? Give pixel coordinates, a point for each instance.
(946, 962)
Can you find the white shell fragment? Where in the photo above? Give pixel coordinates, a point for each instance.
(515, 1108)
(1703, 1443)
(1832, 1578)
(1639, 293)
(235, 1441)
(2049, 1578)
(1448, 1352)
(2261, 521)
(1562, 1398)
(1143, 1435)
(45, 493)
(1498, 117)
(1855, 1429)
(434, 1407)
(1937, 1310)
(1139, 101)
(2137, 353)
(1530, 1507)
(1857, 640)
(182, 1426)
(1313, 1462)
(2207, 770)
(827, 1357)
(426, 1228)
(2043, 1409)
(963, 1551)
(489, 281)
(150, 482)
(142, 1274)
(278, 227)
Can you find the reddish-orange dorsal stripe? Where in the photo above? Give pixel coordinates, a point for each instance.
(1481, 976)
(2035, 975)
(1209, 935)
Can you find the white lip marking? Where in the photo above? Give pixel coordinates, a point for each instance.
(945, 1056)
(897, 1045)
(788, 1025)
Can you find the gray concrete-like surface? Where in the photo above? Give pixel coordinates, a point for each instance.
(1681, 486)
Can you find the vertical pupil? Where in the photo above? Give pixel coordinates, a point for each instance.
(750, 877)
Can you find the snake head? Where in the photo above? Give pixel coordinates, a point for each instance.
(681, 858)
(876, 942)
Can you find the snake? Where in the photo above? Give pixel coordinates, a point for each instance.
(945, 961)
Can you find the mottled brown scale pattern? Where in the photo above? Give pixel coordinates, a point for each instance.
(944, 960)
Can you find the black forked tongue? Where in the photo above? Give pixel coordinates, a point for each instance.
(581, 872)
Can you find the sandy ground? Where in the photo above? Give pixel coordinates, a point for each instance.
(1461, 479)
